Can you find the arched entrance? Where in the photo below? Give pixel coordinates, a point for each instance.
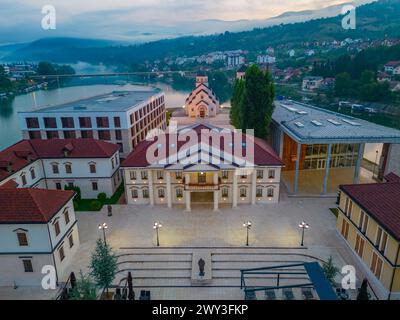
(202, 112)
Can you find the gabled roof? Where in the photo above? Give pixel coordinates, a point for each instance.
(392, 64)
(263, 155)
(380, 200)
(23, 153)
(31, 205)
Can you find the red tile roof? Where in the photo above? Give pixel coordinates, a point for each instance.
(31, 205)
(263, 154)
(21, 154)
(381, 201)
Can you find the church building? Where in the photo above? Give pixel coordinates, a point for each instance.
(202, 101)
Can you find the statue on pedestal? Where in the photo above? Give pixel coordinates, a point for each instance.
(202, 263)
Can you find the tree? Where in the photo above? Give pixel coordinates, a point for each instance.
(45, 68)
(343, 85)
(330, 270)
(85, 289)
(103, 266)
(252, 102)
(234, 113)
(363, 293)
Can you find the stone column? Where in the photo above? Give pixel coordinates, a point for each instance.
(216, 193)
(327, 166)
(253, 186)
(234, 190)
(187, 193)
(358, 164)
(169, 195)
(151, 189)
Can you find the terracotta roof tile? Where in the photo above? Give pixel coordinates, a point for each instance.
(31, 205)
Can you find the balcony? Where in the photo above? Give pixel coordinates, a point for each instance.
(202, 186)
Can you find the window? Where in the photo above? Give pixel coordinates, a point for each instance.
(58, 186)
(68, 168)
(50, 122)
(243, 192)
(270, 192)
(381, 240)
(112, 163)
(118, 135)
(360, 242)
(92, 167)
(133, 175)
(87, 134)
(243, 176)
(71, 241)
(27, 265)
(85, 122)
(345, 229)
(225, 192)
(225, 174)
(33, 173)
(104, 135)
(67, 122)
(57, 228)
(179, 193)
(66, 216)
(102, 122)
(61, 253)
(32, 123)
(144, 175)
(52, 135)
(35, 135)
(160, 175)
(145, 193)
(161, 193)
(363, 223)
(23, 179)
(22, 239)
(271, 174)
(178, 175)
(117, 122)
(260, 174)
(55, 168)
(69, 134)
(376, 265)
(259, 192)
(95, 186)
(201, 177)
(70, 184)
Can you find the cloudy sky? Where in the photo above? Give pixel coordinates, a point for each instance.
(20, 20)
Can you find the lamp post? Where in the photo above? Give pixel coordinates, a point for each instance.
(157, 226)
(247, 225)
(303, 226)
(103, 227)
(375, 164)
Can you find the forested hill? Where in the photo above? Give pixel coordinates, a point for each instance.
(374, 20)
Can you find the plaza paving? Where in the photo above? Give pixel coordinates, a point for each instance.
(275, 227)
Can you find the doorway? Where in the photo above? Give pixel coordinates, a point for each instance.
(202, 112)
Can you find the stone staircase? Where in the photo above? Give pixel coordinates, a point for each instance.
(167, 272)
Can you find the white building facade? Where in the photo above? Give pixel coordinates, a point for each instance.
(40, 233)
(89, 164)
(199, 181)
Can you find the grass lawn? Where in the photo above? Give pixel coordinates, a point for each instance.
(85, 204)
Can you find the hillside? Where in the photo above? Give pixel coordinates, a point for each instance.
(375, 20)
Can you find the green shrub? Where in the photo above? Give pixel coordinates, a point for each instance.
(96, 205)
(76, 205)
(102, 197)
(77, 190)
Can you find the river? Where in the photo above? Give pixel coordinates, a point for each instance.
(9, 126)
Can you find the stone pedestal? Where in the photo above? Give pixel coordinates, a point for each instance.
(196, 277)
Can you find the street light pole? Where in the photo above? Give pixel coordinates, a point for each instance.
(247, 225)
(103, 227)
(157, 225)
(303, 226)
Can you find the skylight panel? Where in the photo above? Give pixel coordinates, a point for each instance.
(299, 124)
(302, 112)
(316, 123)
(336, 123)
(353, 123)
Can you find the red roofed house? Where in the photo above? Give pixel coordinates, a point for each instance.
(92, 165)
(369, 221)
(391, 66)
(37, 229)
(196, 165)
